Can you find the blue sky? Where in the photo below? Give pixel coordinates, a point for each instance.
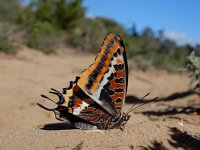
(180, 19)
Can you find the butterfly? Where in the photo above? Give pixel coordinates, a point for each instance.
(95, 99)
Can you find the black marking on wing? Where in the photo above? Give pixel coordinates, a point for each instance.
(119, 67)
(118, 100)
(89, 84)
(94, 74)
(110, 92)
(125, 60)
(118, 90)
(104, 58)
(112, 76)
(119, 80)
(99, 67)
(115, 54)
(107, 51)
(118, 51)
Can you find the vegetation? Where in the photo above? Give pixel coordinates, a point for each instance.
(6, 46)
(42, 36)
(49, 23)
(193, 66)
(89, 36)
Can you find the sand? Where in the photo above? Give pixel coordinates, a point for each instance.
(173, 122)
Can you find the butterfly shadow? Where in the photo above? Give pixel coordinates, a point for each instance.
(195, 109)
(131, 99)
(155, 145)
(170, 110)
(178, 139)
(182, 139)
(57, 126)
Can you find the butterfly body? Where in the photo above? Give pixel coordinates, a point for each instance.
(96, 97)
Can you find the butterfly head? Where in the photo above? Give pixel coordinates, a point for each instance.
(123, 120)
(120, 121)
(125, 117)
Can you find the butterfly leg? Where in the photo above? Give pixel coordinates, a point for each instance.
(84, 126)
(87, 127)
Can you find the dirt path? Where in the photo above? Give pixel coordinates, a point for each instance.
(169, 123)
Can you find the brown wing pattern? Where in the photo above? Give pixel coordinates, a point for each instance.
(118, 81)
(105, 81)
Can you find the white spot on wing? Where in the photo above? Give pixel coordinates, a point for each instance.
(77, 111)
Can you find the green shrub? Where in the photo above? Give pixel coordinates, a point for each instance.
(8, 9)
(42, 36)
(50, 19)
(89, 35)
(6, 46)
(60, 13)
(69, 13)
(193, 66)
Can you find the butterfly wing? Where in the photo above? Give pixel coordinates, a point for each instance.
(118, 81)
(106, 80)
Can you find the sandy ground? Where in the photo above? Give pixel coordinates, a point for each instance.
(173, 122)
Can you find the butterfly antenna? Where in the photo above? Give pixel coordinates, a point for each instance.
(44, 96)
(139, 101)
(142, 104)
(55, 90)
(48, 109)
